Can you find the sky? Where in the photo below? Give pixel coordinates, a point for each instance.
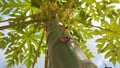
(99, 58)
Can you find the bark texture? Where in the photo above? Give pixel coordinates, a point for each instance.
(65, 54)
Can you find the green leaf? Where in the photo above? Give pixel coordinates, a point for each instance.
(87, 51)
(105, 49)
(8, 51)
(1, 34)
(83, 47)
(9, 56)
(16, 59)
(102, 40)
(99, 50)
(108, 47)
(108, 54)
(100, 46)
(28, 62)
(113, 60)
(27, 37)
(20, 58)
(90, 55)
(7, 11)
(10, 63)
(35, 42)
(35, 3)
(1, 18)
(18, 1)
(111, 7)
(78, 35)
(118, 59)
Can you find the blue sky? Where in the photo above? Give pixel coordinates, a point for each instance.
(99, 58)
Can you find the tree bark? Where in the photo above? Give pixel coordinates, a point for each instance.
(64, 53)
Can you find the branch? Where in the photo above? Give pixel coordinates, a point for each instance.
(37, 52)
(106, 29)
(87, 24)
(19, 24)
(19, 17)
(10, 19)
(46, 59)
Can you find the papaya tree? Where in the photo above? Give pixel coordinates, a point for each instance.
(59, 29)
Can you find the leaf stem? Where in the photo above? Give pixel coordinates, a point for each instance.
(37, 52)
(19, 24)
(87, 24)
(46, 59)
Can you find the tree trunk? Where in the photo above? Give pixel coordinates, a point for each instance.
(62, 51)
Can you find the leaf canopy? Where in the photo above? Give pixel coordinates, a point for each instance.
(26, 38)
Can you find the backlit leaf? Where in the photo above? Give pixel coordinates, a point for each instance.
(0, 18)
(108, 54)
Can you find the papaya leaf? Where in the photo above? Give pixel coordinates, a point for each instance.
(108, 54)
(100, 46)
(107, 48)
(36, 3)
(113, 60)
(101, 40)
(118, 59)
(1, 18)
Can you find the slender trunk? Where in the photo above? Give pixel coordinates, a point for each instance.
(64, 53)
(46, 60)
